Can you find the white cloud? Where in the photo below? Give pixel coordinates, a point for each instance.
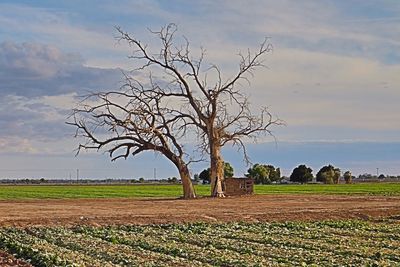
(288, 67)
(32, 69)
(57, 28)
(34, 60)
(36, 125)
(16, 145)
(312, 88)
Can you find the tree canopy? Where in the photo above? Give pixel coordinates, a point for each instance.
(264, 174)
(205, 174)
(348, 177)
(301, 174)
(328, 175)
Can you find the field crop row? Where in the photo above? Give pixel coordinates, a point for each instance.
(329, 243)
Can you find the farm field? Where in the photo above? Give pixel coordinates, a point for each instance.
(326, 243)
(257, 208)
(174, 191)
(94, 191)
(343, 189)
(147, 225)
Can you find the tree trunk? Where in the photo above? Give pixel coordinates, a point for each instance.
(217, 169)
(188, 188)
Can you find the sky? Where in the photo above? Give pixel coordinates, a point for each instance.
(333, 77)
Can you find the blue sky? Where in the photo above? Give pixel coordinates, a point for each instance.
(334, 77)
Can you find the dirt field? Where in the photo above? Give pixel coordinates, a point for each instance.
(146, 211)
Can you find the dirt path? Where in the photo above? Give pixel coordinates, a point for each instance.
(252, 208)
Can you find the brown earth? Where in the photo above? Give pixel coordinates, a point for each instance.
(70, 212)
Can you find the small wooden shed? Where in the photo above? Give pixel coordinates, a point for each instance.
(239, 186)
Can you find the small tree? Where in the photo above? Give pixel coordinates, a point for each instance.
(196, 178)
(347, 177)
(336, 175)
(205, 174)
(301, 174)
(259, 173)
(328, 175)
(276, 175)
(228, 170)
(264, 174)
(325, 174)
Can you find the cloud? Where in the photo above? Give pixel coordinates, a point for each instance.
(324, 90)
(324, 26)
(315, 26)
(39, 86)
(16, 145)
(333, 75)
(33, 118)
(35, 61)
(36, 125)
(65, 28)
(31, 69)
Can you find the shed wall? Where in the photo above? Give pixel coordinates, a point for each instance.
(239, 186)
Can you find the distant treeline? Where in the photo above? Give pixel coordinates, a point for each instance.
(257, 172)
(172, 180)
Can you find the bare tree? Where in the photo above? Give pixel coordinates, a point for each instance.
(130, 121)
(218, 109)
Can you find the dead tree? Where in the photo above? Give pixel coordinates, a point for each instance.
(218, 110)
(130, 121)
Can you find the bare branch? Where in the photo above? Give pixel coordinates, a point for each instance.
(177, 99)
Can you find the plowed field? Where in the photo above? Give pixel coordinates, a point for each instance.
(257, 208)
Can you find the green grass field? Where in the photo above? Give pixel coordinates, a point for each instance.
(160, 191)
(360, 188)
(93, 191)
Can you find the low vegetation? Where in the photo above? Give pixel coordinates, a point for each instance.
(174, 191)
(94, 191)
(386, 189)
(329, 243)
